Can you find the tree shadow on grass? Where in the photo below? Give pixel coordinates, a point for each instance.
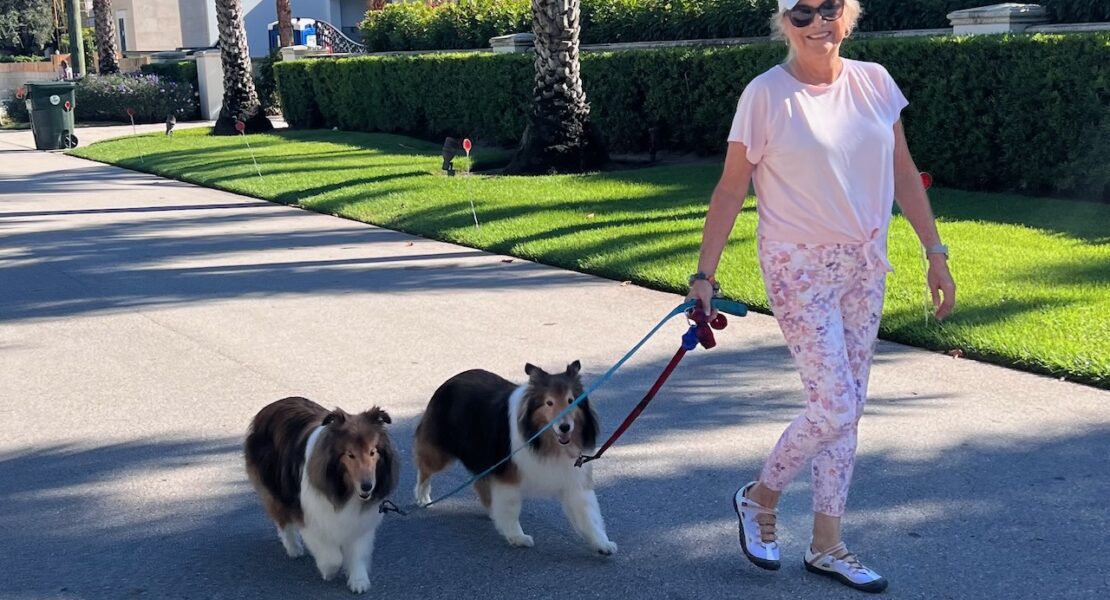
(1079, 220)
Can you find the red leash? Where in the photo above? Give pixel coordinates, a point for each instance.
(700, 332)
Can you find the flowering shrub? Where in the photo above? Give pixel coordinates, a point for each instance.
(15, 109)
(107, 98)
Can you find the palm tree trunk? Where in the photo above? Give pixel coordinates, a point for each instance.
(240, 98)
(285, 23)
(105, 22)
(559, 136)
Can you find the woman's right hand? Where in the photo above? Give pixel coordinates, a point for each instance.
(702, 291)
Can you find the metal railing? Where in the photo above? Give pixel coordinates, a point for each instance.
(333, 40)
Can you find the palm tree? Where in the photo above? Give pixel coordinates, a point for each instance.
(104, 18)
(285, 23)
(559, 136)
(240, 98)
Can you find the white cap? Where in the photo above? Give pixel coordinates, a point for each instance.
(787, 4)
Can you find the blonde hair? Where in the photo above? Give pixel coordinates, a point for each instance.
(852, 12)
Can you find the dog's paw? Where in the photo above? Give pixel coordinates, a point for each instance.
(521, 541)
(422, 494)
(291, 541)
(293, 549)
(328, 572)
(606, 548)
(358, 584)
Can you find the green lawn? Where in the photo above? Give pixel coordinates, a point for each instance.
(1033, 274)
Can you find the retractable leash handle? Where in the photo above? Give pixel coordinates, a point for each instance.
(736, 309)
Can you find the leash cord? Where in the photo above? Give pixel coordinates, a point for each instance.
(722, 305)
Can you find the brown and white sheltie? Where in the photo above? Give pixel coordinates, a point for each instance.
(322, 476)
(477, 418)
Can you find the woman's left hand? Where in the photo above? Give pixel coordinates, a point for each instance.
(941, 286)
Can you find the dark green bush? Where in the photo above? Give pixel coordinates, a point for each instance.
(425, 96)
(1077, 11)
(452, 25)
(469, 24)
(8, 58)
(1024, 113)
(15, 110)
(88, 42)
(265, 84)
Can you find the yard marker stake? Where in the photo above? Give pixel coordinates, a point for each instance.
(242, 128)
(135, 132)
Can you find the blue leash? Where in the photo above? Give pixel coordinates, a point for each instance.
(725, 306)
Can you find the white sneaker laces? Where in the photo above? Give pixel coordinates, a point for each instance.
(840, 552)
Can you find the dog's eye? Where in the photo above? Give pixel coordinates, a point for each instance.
(373, 452)
(550, 403)
(351, 455)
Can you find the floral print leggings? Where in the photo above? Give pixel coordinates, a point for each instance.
(827, 299)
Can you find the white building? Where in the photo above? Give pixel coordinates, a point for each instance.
(159, 25)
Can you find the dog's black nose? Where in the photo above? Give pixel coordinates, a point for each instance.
(565, 427)
(367, 486)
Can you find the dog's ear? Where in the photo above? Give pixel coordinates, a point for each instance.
(377, 416)
(533, 371)
(335, 417)
(573, 368)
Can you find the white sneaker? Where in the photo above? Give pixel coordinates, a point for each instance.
(757, 535)
(840, 564)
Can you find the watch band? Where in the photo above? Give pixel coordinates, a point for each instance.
(700, 276)
(937, 249)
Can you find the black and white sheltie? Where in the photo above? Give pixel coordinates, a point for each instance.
(322, 476)
(477, 418)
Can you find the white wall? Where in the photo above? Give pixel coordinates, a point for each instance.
(152, 24)
(351, 14)
(198, 23)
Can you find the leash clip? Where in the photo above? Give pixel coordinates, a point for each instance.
(387, 506)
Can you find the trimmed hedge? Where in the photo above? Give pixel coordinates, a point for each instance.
(1014, 113)
(452, 25)
(265, 84)
(467, 24)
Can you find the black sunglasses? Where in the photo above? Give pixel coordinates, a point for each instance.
(802, 16)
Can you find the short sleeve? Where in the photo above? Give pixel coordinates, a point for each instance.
(895, 101)
(750, 125)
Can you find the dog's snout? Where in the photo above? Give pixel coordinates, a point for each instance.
(367, 487)
(564, 427)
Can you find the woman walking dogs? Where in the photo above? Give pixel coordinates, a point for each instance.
(821, 138)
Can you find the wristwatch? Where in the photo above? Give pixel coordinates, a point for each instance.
(937, 249)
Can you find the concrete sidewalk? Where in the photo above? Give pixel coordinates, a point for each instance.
(144, 321)
(24, 139)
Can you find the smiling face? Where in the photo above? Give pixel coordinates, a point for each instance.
(547, 397)
(820, 37)
(354, 457)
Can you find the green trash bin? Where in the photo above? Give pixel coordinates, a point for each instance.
(51, 108)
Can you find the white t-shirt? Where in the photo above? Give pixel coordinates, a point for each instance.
(823, 155)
